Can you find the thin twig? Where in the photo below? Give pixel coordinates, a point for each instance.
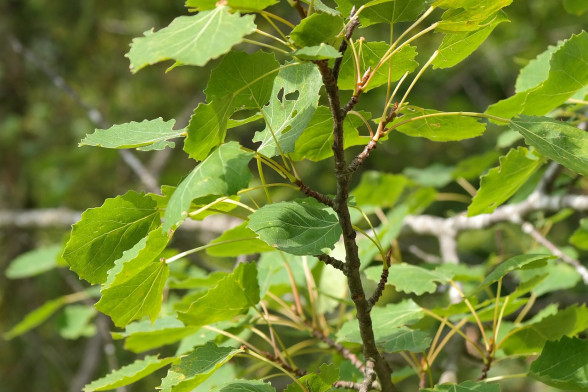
(338, 264)
(353, 23)
(314, 194)
(370, 376)
(343, 351)
(355, 385)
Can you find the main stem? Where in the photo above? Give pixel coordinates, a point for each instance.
(352, 262)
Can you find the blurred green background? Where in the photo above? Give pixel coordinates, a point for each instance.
(84, 42)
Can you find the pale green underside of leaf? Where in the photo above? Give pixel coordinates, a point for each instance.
(34, 262)
(320, 52)
(468, 15)
(244, 386)
(317, 382)
(410, 278)
(302, 227)
(563, 364)
(577, 7)
(568, 73)
(285, 118)
(316, 29)
(196, 367)
(502, 182)
(456, 46)
(191, 40)
(128, 374)
(232, 296)
(104, 233)
(439, 128)
(384, 11)
(223, 173)
(467, 386)
(137, 297)
(246, 242)
(245, 5)
(134, 134)
(557, 140)
(580, 237)
(379, 189)
(371, 53)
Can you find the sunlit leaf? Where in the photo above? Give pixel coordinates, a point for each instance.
(316, 29)
(442, 128)
(469, 15)
(244, 5)
(563, 364)
(320, 52)
(244, 242)
(384, 11)
(191, 40)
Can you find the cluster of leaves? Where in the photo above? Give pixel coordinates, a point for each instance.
(149, 289)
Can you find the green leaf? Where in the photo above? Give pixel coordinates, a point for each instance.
(245, 242)
(191, 40)
(456, 46)
(207, 128)
(472, 167)
(34, 262)
(301, 227)
(557, 140)
(316, 140)
(286, 118)
(244, 5)
(196, 367)
(577, 7)
(317, 382)
(404, 339)
(537, 70)
(232, 296)
(436, 175)
(134, 134)
(410, 278)
(568, 74)
(223, 173)
(244, 386)
(129, 374)
(563, 364)
(379, 189)
(76, 322)
(370, 54)
(469, 15)
(558, 276)
(243, 79)
(531, 338)
(385, 11)
(145, 335)
(320, 52)
(321, 7)
(36, 317)
(316, 29)
(139, 296)
(580, 237)
(104, 233)
(438, 128)
(502, 182)
(467, 386)
(514, 263)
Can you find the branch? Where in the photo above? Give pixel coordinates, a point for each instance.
(353, 23)
(369, 378)
(382, 283)
(355, 385)
(312, 193)
(333, 262)
(343, 351)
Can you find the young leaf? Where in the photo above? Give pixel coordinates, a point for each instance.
(129, 374)
(438, 128)
(467, 386)
(456, 46)
(580, 237)
(196, 367)
(316, 29)
(468, 15)
(301, 227)
(563, 364)
(286, 118)
(557, 140)
(104, 233)
(144, 335)
(502, 182)
(207, 128)
(320, 52)
(410, 278)
(223, 173)
(384, 11)
(134, 134)
(317, 382)
(34, 262)
(139, 296)
(232, 296)
(244, 386)
(567, 75)
(245, 242)
(191, 40)
(35, 318)
(243, 79)
(370, 53)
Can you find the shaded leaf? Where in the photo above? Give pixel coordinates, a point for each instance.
(245, 242)
(34, 262)
(558, 276)
(191, 40)
(76, 322)
(404, 339)
(207, 128)
(537, 70)
(577, 7)
(129, 374)
(369, 56)
(568, 74)
(580, 237)
(320, 52)
(196, 367)
(145, 335)
(223, 173)
(134, 134)
(475, 165)
(104, 233)
(467, 386)
(35, 318)
(436, 175)
(244, 386)
(302, 227)
(385, 11)
(316, 29)
(410, 278)
(438, 128)
(563, 364)
(379, 189)
(232, 296)
(557, 140)
(322, 381)
(502, 182)
(138, 296)
(514, 263)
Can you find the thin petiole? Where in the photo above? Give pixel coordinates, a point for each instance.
(253, 42)
(417, 77)
(203, 247)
